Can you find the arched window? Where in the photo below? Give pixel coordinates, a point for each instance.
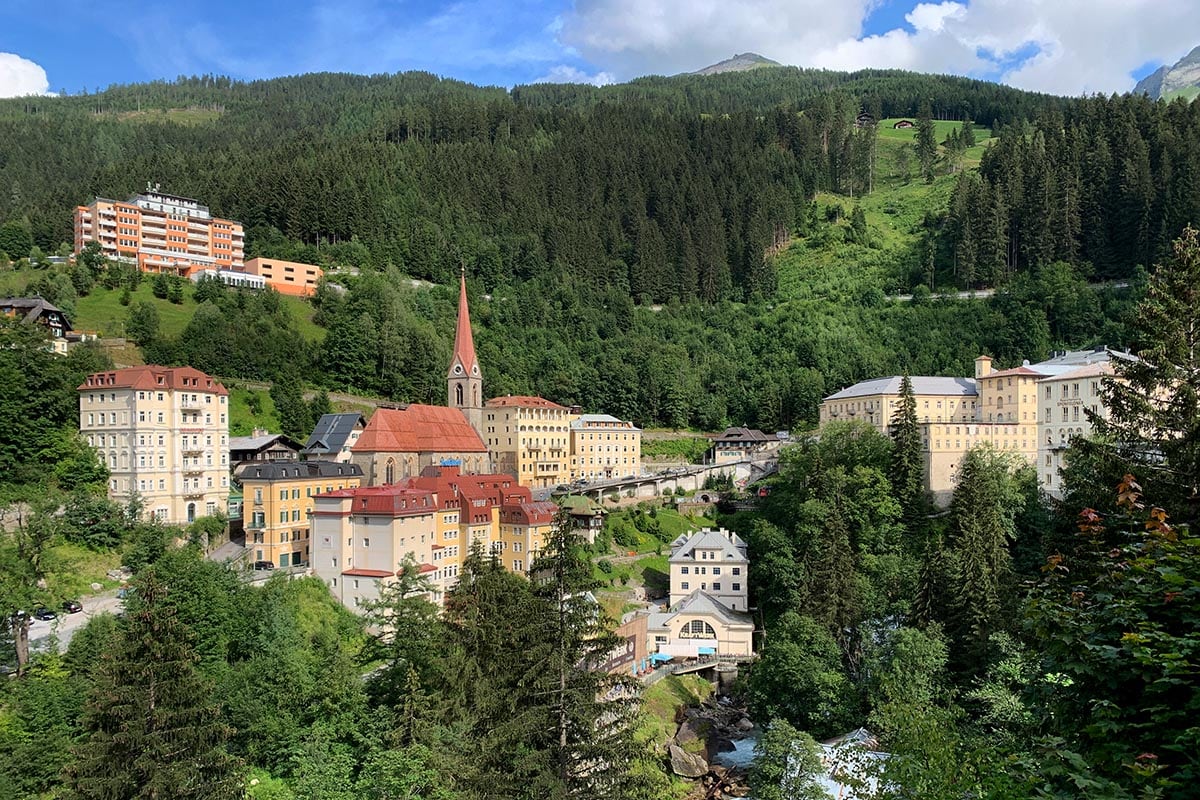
(475, 397)
(458, 394)
(191, 512)
(389, 472)
(697, 629)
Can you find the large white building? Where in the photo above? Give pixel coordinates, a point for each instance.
(163, 434)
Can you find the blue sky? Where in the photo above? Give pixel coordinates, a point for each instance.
(1065, 46)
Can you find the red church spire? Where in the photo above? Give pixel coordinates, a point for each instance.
(464, 344)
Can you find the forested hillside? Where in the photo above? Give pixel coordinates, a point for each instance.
(767, 224)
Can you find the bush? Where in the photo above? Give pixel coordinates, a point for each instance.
(605, 566)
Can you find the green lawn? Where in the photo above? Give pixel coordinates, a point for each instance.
(101, 311)
(72, 568)
(250, 409)
(689, 448)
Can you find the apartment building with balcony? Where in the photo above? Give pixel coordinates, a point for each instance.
(529, 438)
(277, 504)
(163, 434)
(160, 232)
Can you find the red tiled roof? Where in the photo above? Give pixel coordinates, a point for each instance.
(154, 378)
(368, 573)
(450, 484)
(428, 568)
(529, 513)
(419, 429)
(523, 401)
(392, 500)
(464, 343)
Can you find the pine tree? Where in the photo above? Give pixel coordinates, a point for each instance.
(1154, 402)
(152, 730)
(592, 711)
(908, 463)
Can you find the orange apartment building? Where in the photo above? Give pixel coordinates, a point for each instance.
(161, 233)
(286, 277)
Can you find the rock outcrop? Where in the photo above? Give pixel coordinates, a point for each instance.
(687, 765)
(1166, 81)
(739, 63)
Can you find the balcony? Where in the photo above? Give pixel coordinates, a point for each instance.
(192, 449)
(189, 403)
(193, 494)
(193, 470)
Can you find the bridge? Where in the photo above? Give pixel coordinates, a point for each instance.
(690, 478)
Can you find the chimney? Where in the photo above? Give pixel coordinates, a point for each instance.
(983, 367)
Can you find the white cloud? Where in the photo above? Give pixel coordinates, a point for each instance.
(1077, 46)
(566, 74)
(20, 77)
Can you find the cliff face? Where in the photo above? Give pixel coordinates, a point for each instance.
(1164, 81)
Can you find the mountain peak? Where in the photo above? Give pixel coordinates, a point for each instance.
(739, 63)
(1183, 77)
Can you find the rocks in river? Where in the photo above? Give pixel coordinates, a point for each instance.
(692, 730)
(744, 725)
(687, 765)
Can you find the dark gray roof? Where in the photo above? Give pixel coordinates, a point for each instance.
(296, 470)
(685, 545)
(332, 431)
(742, 435)
(698, 602)
(32, 308)
(922, 384)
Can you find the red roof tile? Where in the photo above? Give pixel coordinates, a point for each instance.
(428, 568)
(1014, 371)
(154, 378)
(523, 401)
(419, 429)
(368, 573)
(392, 500)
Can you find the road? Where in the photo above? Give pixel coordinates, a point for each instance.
(983, 294)
(66, 625)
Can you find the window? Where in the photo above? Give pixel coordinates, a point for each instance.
(283, 494)
(366, 542)
(737, 570)
(684, 585)
(716, 587)
(737, 587)
(716, 570)
(683, 570)
(283, 516)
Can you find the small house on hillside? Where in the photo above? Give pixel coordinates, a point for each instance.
(864, 120)
(262, 446)
(904, 123)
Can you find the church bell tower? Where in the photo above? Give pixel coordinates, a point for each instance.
(464, 381)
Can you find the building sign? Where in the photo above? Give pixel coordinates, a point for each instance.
(620, 656)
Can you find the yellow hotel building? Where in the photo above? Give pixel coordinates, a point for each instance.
(278, 502)
(530, 439)
(603, 447)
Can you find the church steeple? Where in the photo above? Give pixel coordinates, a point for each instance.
(464, 381)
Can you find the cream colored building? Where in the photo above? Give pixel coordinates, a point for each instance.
(530, 439)
(698, 625)
(714, 562)
(603, 447)
(360, 536)
(1066, 400)
(1008, 409)
(163, 434)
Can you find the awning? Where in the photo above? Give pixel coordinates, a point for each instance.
(660, 658)
(707, 651)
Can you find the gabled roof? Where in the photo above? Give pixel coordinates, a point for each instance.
(419, 429)
(31, 309)
(1086, 371)
(1023, 371)
(535, 512)
(922, 384)
(732, 546)
(332, 431)
(742, 435)
(581, 505)
(699, 602)
(154, 378)
(464, 343)
(261, 442)
(522, 401)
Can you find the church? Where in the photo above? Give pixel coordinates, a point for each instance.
(399, 443)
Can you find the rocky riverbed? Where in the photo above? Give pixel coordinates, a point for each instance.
(714, 745)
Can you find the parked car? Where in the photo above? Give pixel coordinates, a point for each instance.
(259, 565)
(72, 606)
(44, 614)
